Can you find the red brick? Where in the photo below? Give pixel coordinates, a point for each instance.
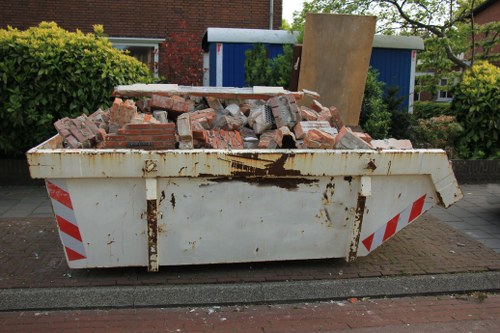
(285, 138)
(363, 136)
(347, 140)
(284, 110)
(229, 123)
(220, 139)
(317, 106)
(267, 140)
(317, 139)
(159, 102)
(203, 119)
(303, 127)
(308, 114)
(336, 120)
(179, 106)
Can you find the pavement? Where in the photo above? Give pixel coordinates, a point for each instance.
(456, 313)
(439, 274)
(445, 251)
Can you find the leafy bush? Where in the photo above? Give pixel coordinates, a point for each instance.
(181, 58)
(262, 71)
(374, 117)
(476, 105)
(426, 110)
(47, 73)
(401, 120)
(436, 132)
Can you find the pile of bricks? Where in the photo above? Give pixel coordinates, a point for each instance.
(189, 122)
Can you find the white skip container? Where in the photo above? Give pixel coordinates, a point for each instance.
(133, 207)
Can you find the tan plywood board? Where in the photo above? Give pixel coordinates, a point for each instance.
(335, 57)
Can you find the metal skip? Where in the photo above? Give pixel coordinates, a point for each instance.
(152, 217)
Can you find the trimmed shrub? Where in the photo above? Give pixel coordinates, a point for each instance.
(47, 73)
(437, 132)
(262, 71)
(477, 107)
(426, 110)
(375, 119)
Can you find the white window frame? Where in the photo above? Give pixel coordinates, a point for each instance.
(125, 42)
(447, 98)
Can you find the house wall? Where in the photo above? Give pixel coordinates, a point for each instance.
(145, 18)
(489, 14)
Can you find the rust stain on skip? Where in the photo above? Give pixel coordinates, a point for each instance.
(358, 223)
(246, 164)
(152, 235)
(281, 182)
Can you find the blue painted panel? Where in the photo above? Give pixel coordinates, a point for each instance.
(274, 50)
(233, 63)
(213, 64)
(394, 66)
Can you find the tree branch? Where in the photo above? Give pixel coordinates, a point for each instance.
(432, 28)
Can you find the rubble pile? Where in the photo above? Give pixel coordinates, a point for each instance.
(191, 122)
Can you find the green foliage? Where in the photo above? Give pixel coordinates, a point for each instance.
(436, 132)
(400, 119)
(447, 23)
(426, 110)
(374, 117)
(477, 108)
(47, 73)
(262, 71)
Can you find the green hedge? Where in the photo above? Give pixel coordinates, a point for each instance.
(47, 73)
(426, 110)
(476, 105)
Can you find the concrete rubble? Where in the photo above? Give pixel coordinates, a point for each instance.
(219, 121)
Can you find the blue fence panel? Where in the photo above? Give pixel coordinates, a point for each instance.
(394, 66)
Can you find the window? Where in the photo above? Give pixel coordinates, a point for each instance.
(143, 49)
(444, 93)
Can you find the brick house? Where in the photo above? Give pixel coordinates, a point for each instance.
(141, 26)
(488, 11)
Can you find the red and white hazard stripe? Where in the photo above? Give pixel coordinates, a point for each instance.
(66, 219)
(398, 222)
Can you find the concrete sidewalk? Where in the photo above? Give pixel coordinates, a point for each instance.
(428, 256)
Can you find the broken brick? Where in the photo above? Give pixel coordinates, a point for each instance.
(229, 123)
(261, 119)
(221, 139)
(215, 104)
(363, 136)
(285, 110)
(308, 114)
(303, 127)
(267, 140)
(336, 120)
(347, 140)
(285, 138)
(159, 102)
(392, 144)
(184, 131)
(161, 116)
(203, 119)
(317, 139)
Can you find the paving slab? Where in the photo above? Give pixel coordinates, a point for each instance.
(31, 256)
